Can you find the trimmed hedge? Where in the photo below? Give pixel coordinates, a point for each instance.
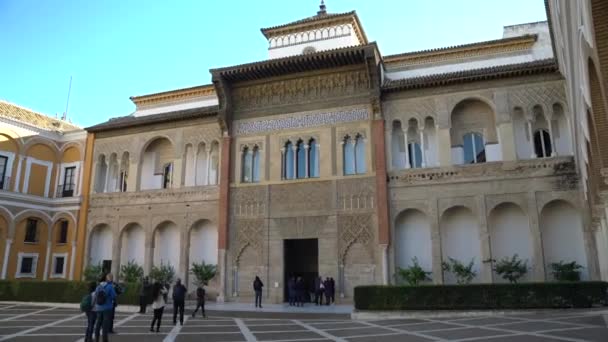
(57, 291)
(482, 296)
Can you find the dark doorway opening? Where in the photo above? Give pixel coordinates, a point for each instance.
(301, 260)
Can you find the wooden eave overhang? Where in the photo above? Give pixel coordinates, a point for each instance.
(316, 22)
(294, 64)
(545, 66)
(173, 95)
(132, 121)
(490, 47)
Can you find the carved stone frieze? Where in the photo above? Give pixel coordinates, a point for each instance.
(356, 194)
(357, 228)
(189, 194)
(300, 121)
(206, 135)
(412, 109)
(545, 95)
(300, 90)
(306, 227)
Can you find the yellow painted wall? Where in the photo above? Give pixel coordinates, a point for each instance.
(70, 155)
(20, 246)
(84, 207)
(37, 180)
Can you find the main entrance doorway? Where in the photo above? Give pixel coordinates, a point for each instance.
(301, 260)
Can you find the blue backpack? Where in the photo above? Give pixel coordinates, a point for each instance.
(100, 295)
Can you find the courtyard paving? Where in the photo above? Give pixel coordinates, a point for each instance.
(35, 323)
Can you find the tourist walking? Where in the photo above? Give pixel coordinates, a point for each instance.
(291, 291)
(327, 291)
(179, 298)
(143, 295)
(300, 291)
(158, 304)
(105, 297)
(257, 288)
(200, 301)
(319, 290)
(332, 289)
(87, 305)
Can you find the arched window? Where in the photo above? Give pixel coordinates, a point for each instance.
(348, 149)
(414, 154)
(247, 160)
(289, 162)
(542, 143)
(301, 162)
(474, 148)
(313, 158)
(255, 164)
(360, 155)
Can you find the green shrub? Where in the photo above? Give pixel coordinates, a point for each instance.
(566, 271)
(131, 272)
(464, 274)
(93, 272)
(203, 272)
(511, 269)
(412, 275)
(58, 291)
(482, 296)
(165, 274)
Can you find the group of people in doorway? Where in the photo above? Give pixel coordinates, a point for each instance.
(298, 292)
(100, 302)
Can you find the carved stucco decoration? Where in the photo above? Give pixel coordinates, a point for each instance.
(307, 227)
(353, 229)
(301, 197)
(404, 111)
(356, 193)
(248, 201)
(248, 233)
(300, 90)
(300, 121)
(545, 95)
(206, 135)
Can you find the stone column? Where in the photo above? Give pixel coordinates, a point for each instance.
(116, 244)
(148, 253)
(354, 158)
(307, 162)
(283, 173)
(18, 160)
(318, 174)
(45, 276)
(385, 273)
(551, 139)
(235, 281)
(251, 168)
(422, 148)
(7, 253)
(435, 242)
(208, 166)
(532, 153)
(538, 260)
(133, 175)
(72, 259)
(106, 186)
(183, 257)
(341, 280)
(294, 148)
(223, 213)
(484, 239)
(407, 150)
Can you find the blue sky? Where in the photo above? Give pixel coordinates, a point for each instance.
(114, 49)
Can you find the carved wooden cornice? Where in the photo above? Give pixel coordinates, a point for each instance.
(173, 95)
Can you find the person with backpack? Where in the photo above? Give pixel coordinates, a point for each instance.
(86, 306)
(105, 297)
(143, 292)
(158, 304)
(200, 301)
(257, 288)
(179, 301)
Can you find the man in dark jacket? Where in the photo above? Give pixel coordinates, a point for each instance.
(200, 301)
(291, 291)
(257, 288)
(319, 290)
(143, 295)
(179, 298)
(332, 289)
(300, 291)
(327, 292)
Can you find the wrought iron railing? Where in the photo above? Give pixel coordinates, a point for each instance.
(5, 183)
(66, 190)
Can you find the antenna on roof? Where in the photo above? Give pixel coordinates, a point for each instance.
(65, 114)
(322, 8)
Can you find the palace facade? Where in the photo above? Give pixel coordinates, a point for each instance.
(331, 159)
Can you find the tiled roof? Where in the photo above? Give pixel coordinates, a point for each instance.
(16, 112)
(444, 50)
(490, 73)
(299, 63)
(130, 121)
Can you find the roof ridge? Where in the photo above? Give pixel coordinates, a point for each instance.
(31, 111)
(307, 19)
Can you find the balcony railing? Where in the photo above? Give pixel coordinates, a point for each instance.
(5, 183)
(66, 190)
